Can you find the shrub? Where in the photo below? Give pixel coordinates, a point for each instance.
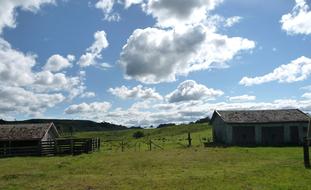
(138, 134)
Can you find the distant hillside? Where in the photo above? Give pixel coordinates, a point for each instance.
(66, 125)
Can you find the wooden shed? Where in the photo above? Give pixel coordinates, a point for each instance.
(260, 127)
(23, 135)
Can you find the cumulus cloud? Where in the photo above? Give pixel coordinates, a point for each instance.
(88, 95)
(104, 66)
(20, 100)
(15, 66)
(298, 21)
(232, 21)
(128, 3)
(177, 12)
(48, 81)
(138, 92)
(94, 51)
(242, 98)
(43, 89)
(297, 70)
(8, 8)
(190, 90)
(57, 63)
(307, 95)
(154, 55)
(147, 113)
(85, 108)
(107, 8)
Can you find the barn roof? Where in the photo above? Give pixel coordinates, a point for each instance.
(262, 116)
(24, 131)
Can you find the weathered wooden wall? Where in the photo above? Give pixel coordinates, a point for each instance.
(51, 148)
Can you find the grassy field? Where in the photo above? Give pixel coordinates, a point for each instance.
(175, 167)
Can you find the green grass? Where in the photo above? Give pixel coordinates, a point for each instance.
(174, 167)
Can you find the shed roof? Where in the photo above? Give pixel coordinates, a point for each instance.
(262, 116)
(24, 131)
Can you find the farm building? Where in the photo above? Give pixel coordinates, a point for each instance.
(23, 135)
(41, 139)
(260, 127)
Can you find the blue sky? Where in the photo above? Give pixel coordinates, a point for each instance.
(145, 62)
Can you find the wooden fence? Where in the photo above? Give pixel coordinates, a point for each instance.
(52, 148)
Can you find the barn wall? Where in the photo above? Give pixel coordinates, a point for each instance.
(222, 133)
(302, 128)
(258, 134)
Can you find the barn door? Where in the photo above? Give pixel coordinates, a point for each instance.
(272, 136)
(294, 135)
(243, 135)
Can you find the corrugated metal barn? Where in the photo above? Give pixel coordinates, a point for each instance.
(260, 127)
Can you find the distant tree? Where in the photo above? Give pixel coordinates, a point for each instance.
(2, 121)
(204, 120)
(71, 130)
(166, 125)
(138, 134)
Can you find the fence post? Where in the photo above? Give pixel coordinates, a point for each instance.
(189, 139)
(10, 148)
(55, 147)
(98, 147)
(4, 149)
(306, 157)
(150, 147)
(122, 145)
(85, 147)
(39, 148)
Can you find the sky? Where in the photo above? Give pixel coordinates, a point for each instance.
(147, 62)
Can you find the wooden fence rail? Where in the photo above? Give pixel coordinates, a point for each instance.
(51, 148)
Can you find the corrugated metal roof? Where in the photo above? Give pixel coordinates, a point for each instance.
(24, 131)
(263, 116)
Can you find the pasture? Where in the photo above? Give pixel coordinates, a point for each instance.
(174, 167)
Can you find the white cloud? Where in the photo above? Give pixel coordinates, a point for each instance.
(84, 108)
(155, 55)
(104, 66)
(136, 92)
(179, 12)
(190, 90)
(57, 63)
(107, 8)
(88, 95)
(232, 21)
(47, 81)
(148, 113)
(8, 10)
(38, 87)
(94, 52)
(307, 95)
(242, 98)
(15, 67)
(297, 70)
(19, 100)
(128, 3)
(298, 21)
